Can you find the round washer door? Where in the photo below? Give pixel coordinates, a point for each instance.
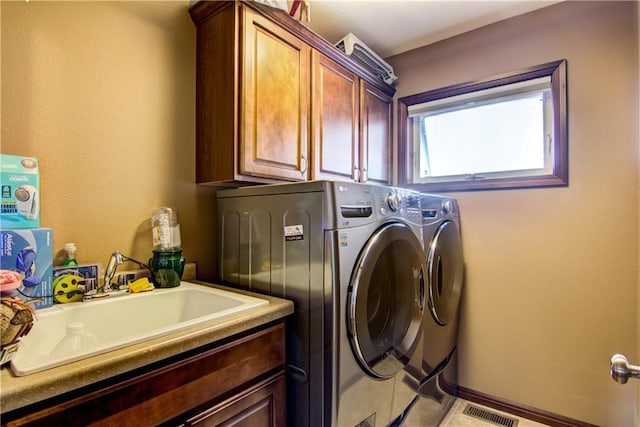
(445, 268)
(386, 300)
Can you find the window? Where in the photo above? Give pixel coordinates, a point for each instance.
(508, 131)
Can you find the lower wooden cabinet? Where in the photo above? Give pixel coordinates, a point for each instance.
(239, 383)
(262, 405)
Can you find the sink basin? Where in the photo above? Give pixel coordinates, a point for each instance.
(69, 332)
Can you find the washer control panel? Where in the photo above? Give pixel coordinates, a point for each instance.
(376, 202)
(399, 202)
(436, 208)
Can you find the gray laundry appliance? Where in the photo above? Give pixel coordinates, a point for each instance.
(445, 271)
(351, 257)
(431, 405)
(431, 374)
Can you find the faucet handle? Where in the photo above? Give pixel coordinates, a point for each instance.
(89, 286)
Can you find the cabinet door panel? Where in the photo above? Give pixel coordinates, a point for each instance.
(275, 101)
(263, 405)
(375, 126)
(334, 121)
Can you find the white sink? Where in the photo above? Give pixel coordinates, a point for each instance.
(117, 321)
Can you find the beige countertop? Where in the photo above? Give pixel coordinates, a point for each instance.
(17, 392)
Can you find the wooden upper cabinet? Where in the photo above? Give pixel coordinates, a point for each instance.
(259, 115)
(252, 97)
(351, 122)
(375, 134)
(275, 101)
(335, 121)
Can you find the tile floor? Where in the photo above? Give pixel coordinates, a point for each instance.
(456, 418)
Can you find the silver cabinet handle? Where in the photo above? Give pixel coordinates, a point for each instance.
(355, 175)
(621, 370)
(303, 164)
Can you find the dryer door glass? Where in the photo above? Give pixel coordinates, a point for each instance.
(386, 300)
(445, 267)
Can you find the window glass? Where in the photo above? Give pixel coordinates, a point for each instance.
(508, 132)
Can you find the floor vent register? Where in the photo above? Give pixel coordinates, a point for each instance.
(492, 417)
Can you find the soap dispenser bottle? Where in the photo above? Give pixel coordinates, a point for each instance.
(70, 260)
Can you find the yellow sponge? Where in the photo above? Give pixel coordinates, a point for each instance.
(66, 289)
(140, 285)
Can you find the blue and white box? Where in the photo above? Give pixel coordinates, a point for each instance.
(20, 192)
(26, 265)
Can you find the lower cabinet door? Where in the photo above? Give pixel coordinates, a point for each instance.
(260, 406)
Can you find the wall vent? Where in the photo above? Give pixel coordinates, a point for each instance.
(491, 417)
(363, 55)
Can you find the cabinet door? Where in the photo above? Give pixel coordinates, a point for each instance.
(334, 121)
(375, 129)
(274, 101)
(261, 406)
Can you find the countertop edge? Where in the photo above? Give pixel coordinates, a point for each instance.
(18, 392)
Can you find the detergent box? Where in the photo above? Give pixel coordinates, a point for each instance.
(20, 197)
(26, 265)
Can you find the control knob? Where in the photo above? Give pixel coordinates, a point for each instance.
(393, 201)
(448, 207)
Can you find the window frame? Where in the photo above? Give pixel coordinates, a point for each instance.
(559, 175)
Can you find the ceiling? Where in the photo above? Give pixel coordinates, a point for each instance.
(390, 27)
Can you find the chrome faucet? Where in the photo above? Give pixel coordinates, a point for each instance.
(114, 261)
(92, 291)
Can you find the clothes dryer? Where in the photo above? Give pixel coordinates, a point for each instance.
(351, 257)
(431, 375)
(445, 271)
(431, 405)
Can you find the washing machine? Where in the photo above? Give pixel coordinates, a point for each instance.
(351, 258)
